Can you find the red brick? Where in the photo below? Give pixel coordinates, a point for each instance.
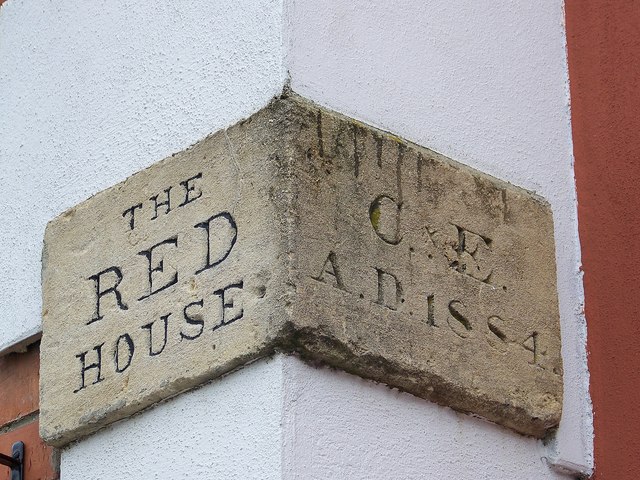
(40, 460)
(19, 377)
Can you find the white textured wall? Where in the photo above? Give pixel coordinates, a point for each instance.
(337, 426)
(282, 419)
(91, 92)
(229, 430)
(484, 83)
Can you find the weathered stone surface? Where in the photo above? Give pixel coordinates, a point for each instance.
(300, 230)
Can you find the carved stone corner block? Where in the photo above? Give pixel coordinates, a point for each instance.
(300, 230)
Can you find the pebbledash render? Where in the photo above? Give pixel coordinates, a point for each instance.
(302, 231)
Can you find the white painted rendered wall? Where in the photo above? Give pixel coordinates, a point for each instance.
(229, 430)
(91, 92)
(282, 419)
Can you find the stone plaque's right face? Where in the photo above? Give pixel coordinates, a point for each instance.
(412, 264)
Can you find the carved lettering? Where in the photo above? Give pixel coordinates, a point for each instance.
(149, 326)
(465, 251)
(189, 188)
(389, 290)
(431, 318)
(161, 203)
(158, 268)
(494, 323)
(222, 234)
(97, 365)
(166, 203)
(531, 344)
(472, 250)
(394, 255)
(330, 267)
(384, 214)
(101, 293)
(461, 326)
(193, 319)
(230, 311)
(131, 212)
(496, 336)
(117, 355)
(228, 298)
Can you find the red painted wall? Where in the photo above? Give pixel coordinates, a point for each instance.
(603, 39)
(19, 403)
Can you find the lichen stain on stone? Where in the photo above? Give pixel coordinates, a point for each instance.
(374, 215)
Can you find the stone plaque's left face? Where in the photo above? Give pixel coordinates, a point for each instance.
(158, 284)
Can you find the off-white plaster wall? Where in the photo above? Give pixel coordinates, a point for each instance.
(337, 426)
(485, 83)
(283, 419)
(229, 429)
(91, 92)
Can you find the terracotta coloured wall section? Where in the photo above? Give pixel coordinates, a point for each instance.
(18, 373)
(604, 70)
(19, 378)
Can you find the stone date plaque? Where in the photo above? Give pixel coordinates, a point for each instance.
(302, 231)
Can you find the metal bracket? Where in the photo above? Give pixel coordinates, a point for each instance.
(15, 461)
